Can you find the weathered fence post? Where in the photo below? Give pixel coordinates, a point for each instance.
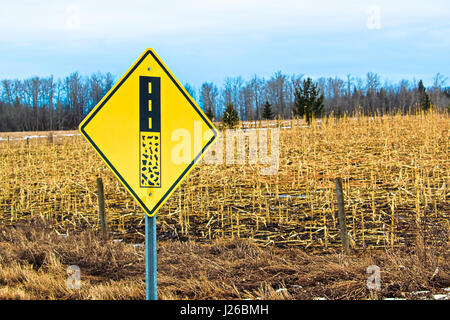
(50, 138)
(101, 206)
(341, 215)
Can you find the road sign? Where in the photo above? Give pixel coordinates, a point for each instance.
(149, 131)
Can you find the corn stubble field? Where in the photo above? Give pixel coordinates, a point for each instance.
(395, 171)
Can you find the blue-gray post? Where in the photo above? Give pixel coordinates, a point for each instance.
(150, 257)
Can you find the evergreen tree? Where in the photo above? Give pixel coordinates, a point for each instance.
(308, 100)
(267, 111)
(231, 116)
(425, 102)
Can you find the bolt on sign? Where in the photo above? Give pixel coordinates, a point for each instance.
(149, 131)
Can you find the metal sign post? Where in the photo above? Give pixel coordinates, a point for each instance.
(150, 257)
(135, 128)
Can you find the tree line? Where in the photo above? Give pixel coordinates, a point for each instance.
(57, 104)
(285, 96)
(47, 104)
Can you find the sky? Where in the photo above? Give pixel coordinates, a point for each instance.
(209, 40)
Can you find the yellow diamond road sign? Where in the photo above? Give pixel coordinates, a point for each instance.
(149, 131)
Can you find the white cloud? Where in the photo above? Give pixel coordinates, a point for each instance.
(320, 36)
(48, 20)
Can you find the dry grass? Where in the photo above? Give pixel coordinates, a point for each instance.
(34, 258)
(395, 171)
(225, 235)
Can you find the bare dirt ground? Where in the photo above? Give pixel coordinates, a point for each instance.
(34, 261)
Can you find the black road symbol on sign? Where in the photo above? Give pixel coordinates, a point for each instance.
(150, 132)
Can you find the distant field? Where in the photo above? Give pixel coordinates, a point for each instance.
(395, 171)
(35, 134)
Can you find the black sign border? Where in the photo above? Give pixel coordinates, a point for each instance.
(110, 94)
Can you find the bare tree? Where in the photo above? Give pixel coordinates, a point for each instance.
(208, 98)
(276, 93)
(256, 85)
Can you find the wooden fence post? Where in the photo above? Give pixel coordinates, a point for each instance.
(101, 206)
(341, 215)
